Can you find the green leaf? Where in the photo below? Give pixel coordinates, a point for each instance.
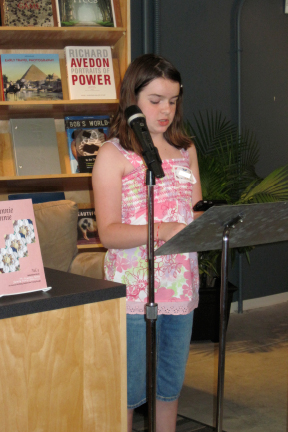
(273, 188)
(233, 156)
(227, 160)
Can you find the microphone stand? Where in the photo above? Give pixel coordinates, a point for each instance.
(136, 120)
(153, 162)
(151, 309)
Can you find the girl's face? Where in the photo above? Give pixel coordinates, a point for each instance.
(157, 101)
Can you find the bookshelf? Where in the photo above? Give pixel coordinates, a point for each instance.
(59, 37)
(53, 40)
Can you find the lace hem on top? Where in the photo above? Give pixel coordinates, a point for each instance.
(164, 308)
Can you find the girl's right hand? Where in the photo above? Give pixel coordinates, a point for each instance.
(167, 230)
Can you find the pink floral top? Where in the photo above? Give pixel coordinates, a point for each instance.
(176, 278)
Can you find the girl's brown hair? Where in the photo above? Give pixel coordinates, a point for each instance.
(139, 74)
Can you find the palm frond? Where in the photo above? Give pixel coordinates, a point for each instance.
(250, 151)
(227, 162)
(273, 188)
(235, 154)
(209, 130)
(213, 186)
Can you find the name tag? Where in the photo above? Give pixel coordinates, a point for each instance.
(184, 175)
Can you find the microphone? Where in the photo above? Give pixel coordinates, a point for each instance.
(137, 121)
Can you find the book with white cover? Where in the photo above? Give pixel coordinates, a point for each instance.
(90, 73)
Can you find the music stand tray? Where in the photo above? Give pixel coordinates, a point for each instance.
(222, 227)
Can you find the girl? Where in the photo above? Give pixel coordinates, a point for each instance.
(152, 83)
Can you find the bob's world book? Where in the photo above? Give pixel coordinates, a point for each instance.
(85, 135)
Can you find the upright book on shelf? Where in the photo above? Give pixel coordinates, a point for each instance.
(30, 13)
(28, 77)
(87, 226)
(90, 73)
(85, 134)
(35, 146)
(95, 13)
(21, 265)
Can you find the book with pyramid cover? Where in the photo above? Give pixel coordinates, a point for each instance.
(27, 77)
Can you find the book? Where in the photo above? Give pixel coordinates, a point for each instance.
(21, 265)
(35, 146)
(39, 197)
(27, 13)
(90, 73)
(87, 226)
(85, 134)
(96, 13)
(27, 77)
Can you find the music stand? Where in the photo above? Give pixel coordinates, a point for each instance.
(261, 224)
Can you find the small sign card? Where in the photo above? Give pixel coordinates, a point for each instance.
(21, 265)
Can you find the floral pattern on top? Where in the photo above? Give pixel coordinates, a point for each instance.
(176, 277)
(16, 245)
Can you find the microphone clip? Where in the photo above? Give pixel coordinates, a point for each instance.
(153, 161)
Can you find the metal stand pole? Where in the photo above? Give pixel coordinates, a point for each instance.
(151, 310)
(223, 320)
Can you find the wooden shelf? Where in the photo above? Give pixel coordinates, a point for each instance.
(58, 109)
(58, 37)
(98, 247)
(54, 39)
(51, 183)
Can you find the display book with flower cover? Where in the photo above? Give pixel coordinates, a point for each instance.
(21, 265)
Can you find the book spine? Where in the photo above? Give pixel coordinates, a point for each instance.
(2, 3)
(68, 70)
(1, 82)
(116, 13)
(56, 16)
(14, 149)
(72, 160)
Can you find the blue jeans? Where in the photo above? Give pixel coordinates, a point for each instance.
(173, 335)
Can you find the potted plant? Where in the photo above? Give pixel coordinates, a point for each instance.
(227, 161)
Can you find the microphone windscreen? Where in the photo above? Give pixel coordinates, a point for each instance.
(132, 110)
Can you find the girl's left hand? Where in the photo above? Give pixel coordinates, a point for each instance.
(167, 230)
